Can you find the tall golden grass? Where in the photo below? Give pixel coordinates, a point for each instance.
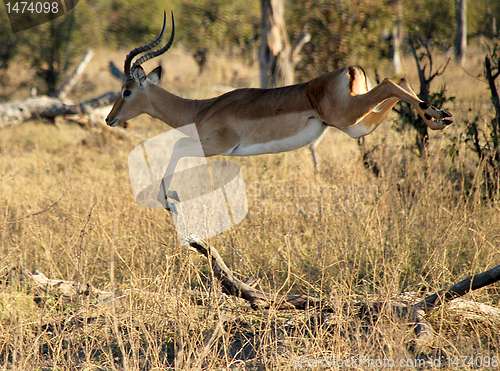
(66, 209)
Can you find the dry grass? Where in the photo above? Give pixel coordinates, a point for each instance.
(66, 209)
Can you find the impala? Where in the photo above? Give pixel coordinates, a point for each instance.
(248, 121)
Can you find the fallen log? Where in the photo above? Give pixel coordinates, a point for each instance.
(44, 107)
(261, 300)
(48, 108)
(73, 291)
(459, 289)
(411, 312)
(257, 299)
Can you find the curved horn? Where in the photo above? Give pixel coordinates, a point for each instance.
(144, 48)
(158, 52)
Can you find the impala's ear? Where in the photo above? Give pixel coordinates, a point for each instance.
(155, 75)
(139, 75)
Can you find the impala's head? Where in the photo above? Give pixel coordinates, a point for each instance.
(136, 86)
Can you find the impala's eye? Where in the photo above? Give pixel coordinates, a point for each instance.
(126, 93)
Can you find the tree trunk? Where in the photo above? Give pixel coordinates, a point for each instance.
(396, 57)
(397, 38)
(275, 53)
(461, 35)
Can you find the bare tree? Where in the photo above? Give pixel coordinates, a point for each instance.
(275, 51)
(461, 35)
(422, 54)
(397, 38)
(483, 135)
(276, 56)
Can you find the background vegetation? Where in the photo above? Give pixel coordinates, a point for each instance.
(66, 207)
(342, 30)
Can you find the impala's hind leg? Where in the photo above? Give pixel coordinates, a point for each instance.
(372, 120)
(435, 119)
(314, 153)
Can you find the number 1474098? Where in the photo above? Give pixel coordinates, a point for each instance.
(32, 7)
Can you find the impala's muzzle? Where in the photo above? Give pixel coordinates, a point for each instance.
(111, 123)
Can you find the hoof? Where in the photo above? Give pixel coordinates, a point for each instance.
(446, 113)
(438, 120)
(172, 208)
(447, 118)
(173, 195)
(165, 200)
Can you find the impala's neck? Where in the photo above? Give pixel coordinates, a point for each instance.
(172, 109)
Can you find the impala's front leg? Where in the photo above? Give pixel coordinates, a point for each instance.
(188, 147)
(184, 147)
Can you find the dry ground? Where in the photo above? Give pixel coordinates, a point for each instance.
(66, 209)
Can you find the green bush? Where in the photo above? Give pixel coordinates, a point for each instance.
(212, 24)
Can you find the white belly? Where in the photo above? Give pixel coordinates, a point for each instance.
(311, 132)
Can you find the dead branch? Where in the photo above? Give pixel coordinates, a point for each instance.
(68, 291)
(73, 291)
(70, 84)
(116, 72)
(16, 112)
(413, 314)
(257, 299)
(48, 108)
(44, 107)
(32, 214)
(398, 310)
(461, 288)
(304, 38)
